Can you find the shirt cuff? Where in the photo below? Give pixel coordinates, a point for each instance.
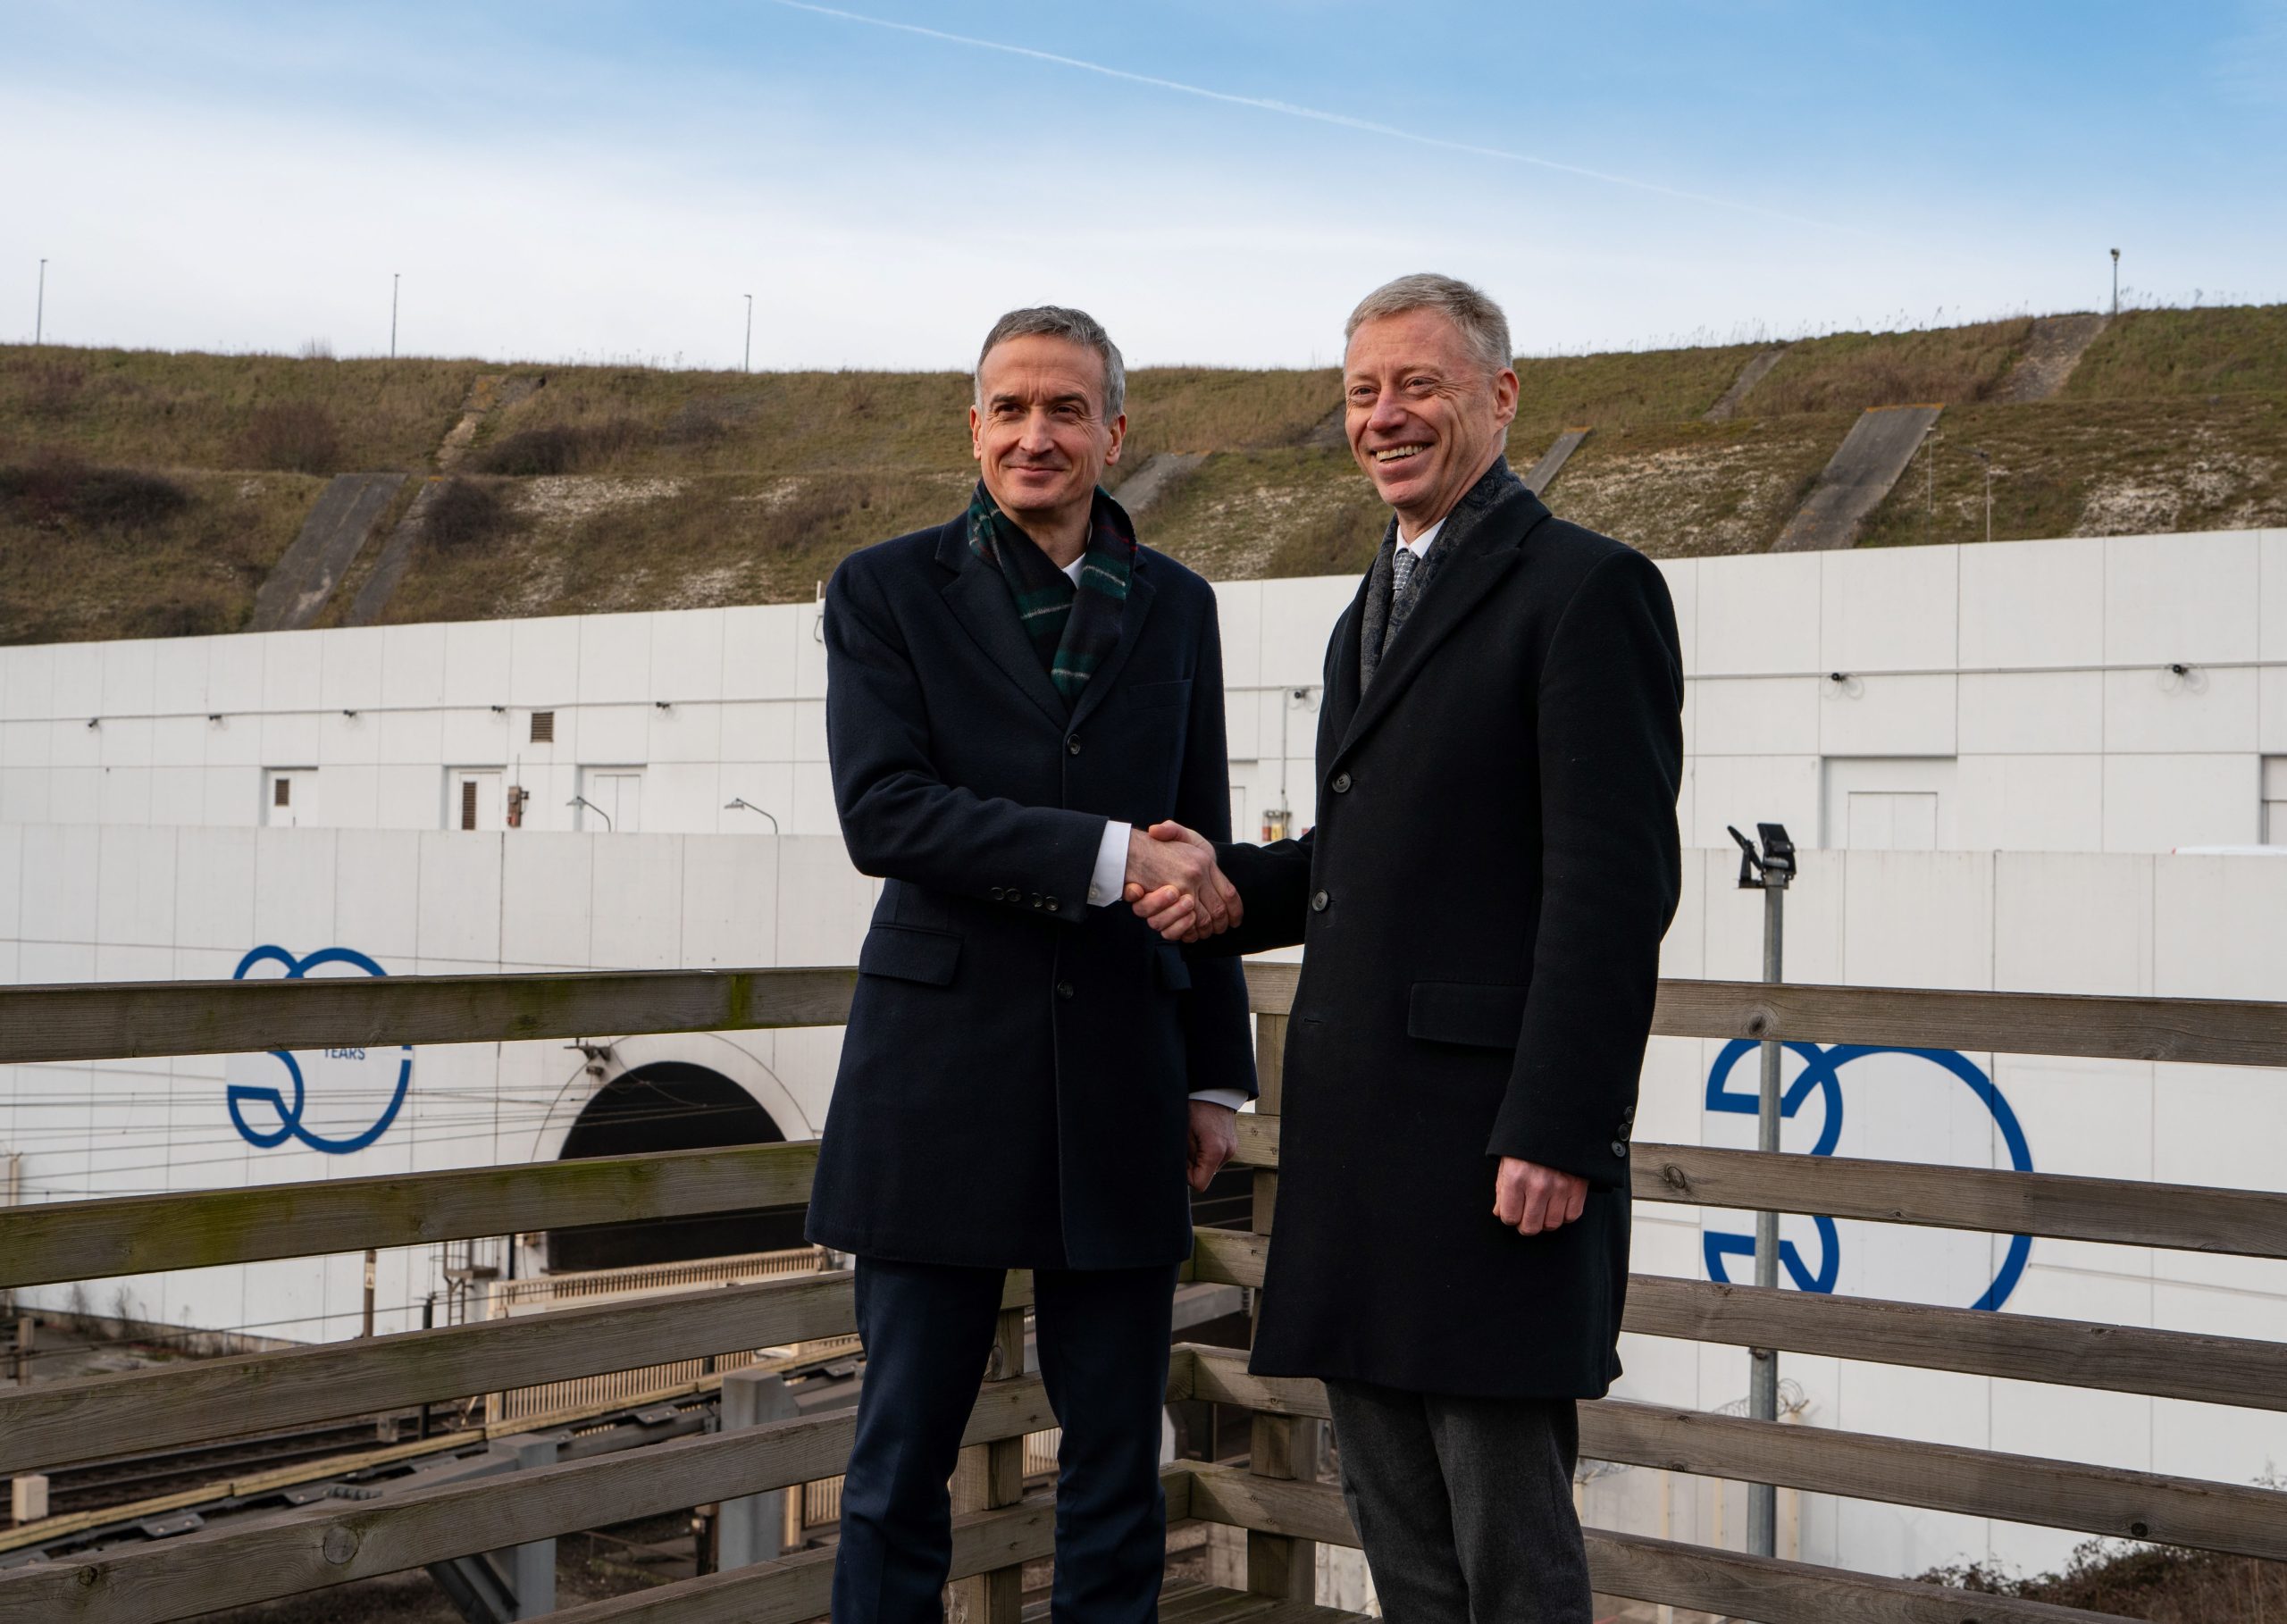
(1231, 1099)
(1109, 880)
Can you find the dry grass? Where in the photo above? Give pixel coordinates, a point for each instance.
(2149, 353)
(1853, 371)
(181, 565)
(197, 411)
(1190, 408)
(2094, 468)
(1691, 490)
(1617, 391)
(1245, 516)
(2159, 1584)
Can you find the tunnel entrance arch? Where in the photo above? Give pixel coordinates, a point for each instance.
(670, 1105)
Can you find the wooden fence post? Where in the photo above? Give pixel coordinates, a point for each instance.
(1285, 1447)
(991, 1475)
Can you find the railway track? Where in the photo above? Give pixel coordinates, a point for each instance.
(130, 1478)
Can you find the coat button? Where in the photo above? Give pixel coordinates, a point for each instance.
(1063, 989)
(1319, 903)
(1072, 744)
(1342, 783)
(1000, 893)
(1619, 1147)
(1051, 903)
(1036, 899)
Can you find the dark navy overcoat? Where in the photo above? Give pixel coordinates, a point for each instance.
(1014, 1085)
(1480, 905)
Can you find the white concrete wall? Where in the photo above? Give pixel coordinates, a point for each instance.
(2023, 685)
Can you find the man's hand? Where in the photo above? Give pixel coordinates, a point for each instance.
(1213, 1137)
(1175, 886)
(1531, 1199)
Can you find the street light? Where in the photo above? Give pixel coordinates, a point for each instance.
(581, 800)
(40, 310)
(746, 362)
(393, 280)
(732, 806)
(1987, 458)
(2115, 281)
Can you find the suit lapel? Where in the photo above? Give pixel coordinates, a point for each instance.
(1342, 703)
(1464, 583)
(979, 599)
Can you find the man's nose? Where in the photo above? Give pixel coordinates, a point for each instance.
(1035, 436)
(1387, 414)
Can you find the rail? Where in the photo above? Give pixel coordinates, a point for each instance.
(1276, 1498)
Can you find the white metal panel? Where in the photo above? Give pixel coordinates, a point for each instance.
(234, 668)
(613, 733)
(479, 658)
(2073, 921)
(1760, 614)
(1860, 810)
(413, 664)
(408, 738)
(2150, 710)
(293, 888)
(460, 892)
(350, 667)
(27, 682)
(1298, 617)
(405, 797)
(135, 890)
(1918, 918)
(758, 651)
(128, 677)
(62, 865)
(351, 738)
(2217, 928)
(545, 903)
(686, 655)
(1238, 616)
(637, 924)
(1748, 789)
(214, 886)
(730, 898)
(2156, 803)
(125, 742)
(691, 733)
(2032, 712)
(123, 795)
(1756, 716)
(2271, 705)
(544, 662)
(1893, 608)
(2032, 603)
(614, 658)
(2271, 567)
(1887, 716)
(2189, 597)
(377, 892)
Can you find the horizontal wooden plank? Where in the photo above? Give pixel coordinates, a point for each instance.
(798, 1587)
(1732, 1585)
(2212, 1031)
(2064, 1353)
(126, 1020)
(146, 1234)
(1981, 1483)
(130, 1020)
(53, 1423)
(1650, 1570)
(2190, 1218)
(225, 1567)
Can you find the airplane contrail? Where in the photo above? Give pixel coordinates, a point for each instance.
(1316, 114)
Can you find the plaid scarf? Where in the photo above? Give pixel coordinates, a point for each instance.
(1072, 627)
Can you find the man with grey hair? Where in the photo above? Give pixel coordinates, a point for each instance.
(1029, 1076)
(1480, 905)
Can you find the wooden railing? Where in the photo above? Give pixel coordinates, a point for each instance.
(1276, 1498)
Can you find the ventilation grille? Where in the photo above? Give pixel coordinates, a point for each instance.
(281, 791)
(544, 727)
(468, 803)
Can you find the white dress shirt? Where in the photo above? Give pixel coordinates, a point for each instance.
(1109, 881)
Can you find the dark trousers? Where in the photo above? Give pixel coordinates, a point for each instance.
(927, 1327)
(1464, 1505)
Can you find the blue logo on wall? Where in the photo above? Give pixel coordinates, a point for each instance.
(289, 1099)
(1821, 1075)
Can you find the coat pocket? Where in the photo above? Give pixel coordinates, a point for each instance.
(1469, 1013)
(905, 954)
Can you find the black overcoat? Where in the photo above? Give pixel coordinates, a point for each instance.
(1014, 1082)
(1480, 904)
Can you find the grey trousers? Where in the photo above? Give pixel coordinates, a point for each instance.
(1464, 1504)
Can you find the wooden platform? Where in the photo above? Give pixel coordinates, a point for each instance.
(1190, 1602)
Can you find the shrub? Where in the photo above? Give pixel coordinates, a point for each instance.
(53, 388)
(563, 447)
(295, 437)
(465, 514)
(59, 491)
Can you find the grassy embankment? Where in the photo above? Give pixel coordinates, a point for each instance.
(624, 487)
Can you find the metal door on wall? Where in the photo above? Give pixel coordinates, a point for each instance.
(473, 799)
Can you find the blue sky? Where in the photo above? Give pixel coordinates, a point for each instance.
(603, 180)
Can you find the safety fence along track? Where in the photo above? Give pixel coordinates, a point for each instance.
(1277, 1498)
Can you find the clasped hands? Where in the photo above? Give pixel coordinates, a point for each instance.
(1175, 886)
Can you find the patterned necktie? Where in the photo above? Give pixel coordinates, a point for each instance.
(1405, 567)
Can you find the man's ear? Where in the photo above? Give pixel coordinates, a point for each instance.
(975, 435)
(1505, 388)
(1119, 438)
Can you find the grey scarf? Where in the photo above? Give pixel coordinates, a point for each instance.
(1379, 627)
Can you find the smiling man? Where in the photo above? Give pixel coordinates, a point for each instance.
(1030, 1075)
(1480, 906)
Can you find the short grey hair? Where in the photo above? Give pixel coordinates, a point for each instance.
(1074, 327)
(1482, 326)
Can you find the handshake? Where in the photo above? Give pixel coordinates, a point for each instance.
(1175, 885)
